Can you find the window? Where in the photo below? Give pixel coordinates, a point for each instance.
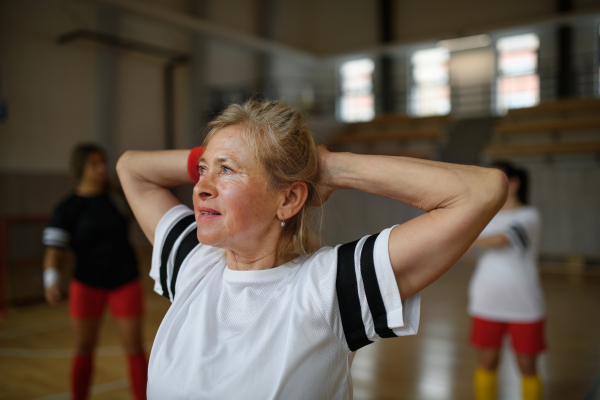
(517, 84)
(357, 102)
(430, 93)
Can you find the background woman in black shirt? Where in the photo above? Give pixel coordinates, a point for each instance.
(89, 223)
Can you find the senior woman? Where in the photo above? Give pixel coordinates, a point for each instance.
(257, 311)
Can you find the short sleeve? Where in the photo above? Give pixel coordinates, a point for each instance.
(174, 239)
(368, 297)
(522, 231)
(58, 231)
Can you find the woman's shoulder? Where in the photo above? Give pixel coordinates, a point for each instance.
(177, 212)
(175, 222)
(316, 262)
(318, 256)
(529, 211)
(173, 216)
(68, 205)
(67, 200)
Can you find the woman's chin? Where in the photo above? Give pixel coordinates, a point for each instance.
(210, 239)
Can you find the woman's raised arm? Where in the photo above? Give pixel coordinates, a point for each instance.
(459, 200)
(146, 177)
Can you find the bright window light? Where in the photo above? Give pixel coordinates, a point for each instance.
(357, 102)
(517, 84)
(430, 93)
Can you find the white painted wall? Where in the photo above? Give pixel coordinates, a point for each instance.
(434, 17)
(49, 88)
(230, 64)
(567, 194)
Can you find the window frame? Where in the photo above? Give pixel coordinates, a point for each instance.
(496, 110)
(414, 85)
(342, 94)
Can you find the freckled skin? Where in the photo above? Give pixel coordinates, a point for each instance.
(234, 184)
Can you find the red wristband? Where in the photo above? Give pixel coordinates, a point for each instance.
(192, 164)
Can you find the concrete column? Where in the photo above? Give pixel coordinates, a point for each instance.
(199, 95)
(565, 82)
(267, 14)
(387, 103)
(106, 84)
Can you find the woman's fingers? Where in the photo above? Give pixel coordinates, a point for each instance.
(325, 188)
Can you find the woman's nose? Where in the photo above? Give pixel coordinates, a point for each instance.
(205, 187)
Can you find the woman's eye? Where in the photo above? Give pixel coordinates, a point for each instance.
(201, 170)
(227, 169)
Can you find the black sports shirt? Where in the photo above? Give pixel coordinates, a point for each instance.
(97, 233)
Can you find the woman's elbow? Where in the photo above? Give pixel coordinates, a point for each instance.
(496, 189)
(124, 163)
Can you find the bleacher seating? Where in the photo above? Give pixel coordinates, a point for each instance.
(560, 127)
(395, 134)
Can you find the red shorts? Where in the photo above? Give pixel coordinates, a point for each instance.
(526, 338)
(125, 301)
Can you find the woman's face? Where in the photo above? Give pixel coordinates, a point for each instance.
(95, 169)
(234, 207)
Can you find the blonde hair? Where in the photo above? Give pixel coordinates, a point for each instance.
(282, 143)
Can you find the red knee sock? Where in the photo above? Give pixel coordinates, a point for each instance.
(81, 376)
(138, 373)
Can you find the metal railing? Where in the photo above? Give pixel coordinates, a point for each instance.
(466, 99)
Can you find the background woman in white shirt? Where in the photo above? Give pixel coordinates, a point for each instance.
(272, 316)
(505, 295)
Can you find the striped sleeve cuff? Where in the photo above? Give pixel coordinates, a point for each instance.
(368, 297)
(518, 236)
(174, 240)
(56, 237)
(402, 315)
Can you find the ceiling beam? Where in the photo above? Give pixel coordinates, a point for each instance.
(272, 46)
(209, 28)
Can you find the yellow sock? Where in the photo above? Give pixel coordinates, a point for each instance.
(485, 384)
(532, 387)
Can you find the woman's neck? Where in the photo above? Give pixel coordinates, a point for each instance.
(90, 189)
(238, 262)
(512, 203)
(257, 252)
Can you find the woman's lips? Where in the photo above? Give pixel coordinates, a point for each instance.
(205, 213)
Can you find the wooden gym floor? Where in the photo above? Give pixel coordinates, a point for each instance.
(437, 364)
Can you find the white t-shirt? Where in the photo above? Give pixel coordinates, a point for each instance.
(284, 333)
(506, 284)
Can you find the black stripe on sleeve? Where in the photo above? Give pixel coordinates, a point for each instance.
(172, 237)
(521, 235)
(187, 245)
(347, 293)
(372, 292)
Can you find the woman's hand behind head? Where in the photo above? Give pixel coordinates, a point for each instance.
(327, 170)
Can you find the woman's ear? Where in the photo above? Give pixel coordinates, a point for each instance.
(294, 198)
